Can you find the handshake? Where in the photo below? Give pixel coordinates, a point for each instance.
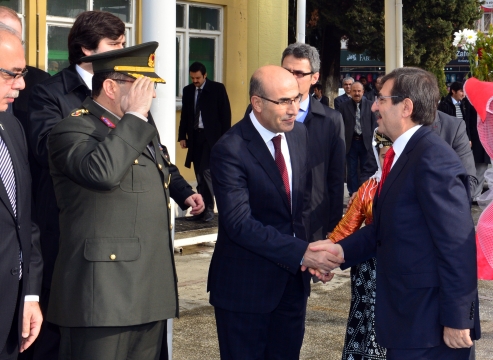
(321, 257)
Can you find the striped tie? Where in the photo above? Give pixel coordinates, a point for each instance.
(458, 111)
(8, 179)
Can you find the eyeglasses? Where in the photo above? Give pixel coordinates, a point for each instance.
(380, 98)
(299, 74)
(14, 76)
(284, 102)
(132, 81)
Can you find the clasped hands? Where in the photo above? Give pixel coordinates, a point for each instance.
(321, 257)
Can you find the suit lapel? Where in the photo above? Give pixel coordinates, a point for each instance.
(259, 150)
(17, 168)
(294, 153)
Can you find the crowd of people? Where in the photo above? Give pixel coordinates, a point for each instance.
(86, 254)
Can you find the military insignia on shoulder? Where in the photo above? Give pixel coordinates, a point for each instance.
(80, 112)
(107, 122)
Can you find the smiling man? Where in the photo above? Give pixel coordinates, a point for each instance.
(259, 173)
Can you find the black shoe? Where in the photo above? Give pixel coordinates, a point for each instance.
(195, 217)
(209, 216)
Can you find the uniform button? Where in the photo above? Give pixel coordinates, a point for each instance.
(165, 185)
(18, 227)
(14, 271)
(171, 227)
(113, 257)
(136, 161)
(169, 206)
(160, 166)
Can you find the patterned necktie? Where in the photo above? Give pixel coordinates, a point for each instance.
(281, 165)
(197, 110)
(357, 127)
(387, 165)
(8, 179)
(458, 110)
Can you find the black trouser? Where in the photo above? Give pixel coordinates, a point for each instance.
(200, 158)
(11, 348)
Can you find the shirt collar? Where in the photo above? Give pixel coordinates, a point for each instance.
(201, 87)
(85, 75)
(304, 104)
(266, 135)
(401, 142)
(454, 101)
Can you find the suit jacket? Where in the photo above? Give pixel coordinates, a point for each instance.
(115, 264)
(453, 131)
(338, 101)
(423, 237)
(324, 100)
(368, 121)
(327, 151)
(256, 251)
(215, 111)
(17, 232)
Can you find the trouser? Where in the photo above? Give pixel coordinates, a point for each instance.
(201, 159)
(356, 152)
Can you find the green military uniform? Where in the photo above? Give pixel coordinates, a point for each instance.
(113, 181)
(115, 265)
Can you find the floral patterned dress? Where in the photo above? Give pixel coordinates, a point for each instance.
(361, 342)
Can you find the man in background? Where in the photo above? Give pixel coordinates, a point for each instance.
(205, 117)
(346, 84)
(319, 95)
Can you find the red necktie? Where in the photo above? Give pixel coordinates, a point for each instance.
(387, 165)
(281, 165)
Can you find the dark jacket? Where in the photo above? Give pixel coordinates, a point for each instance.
(338, 101)
(215, 111)
(450, 129)
(368, 121)
(327, 150)
(256, 252)
(50, 102)
(423, 237)
(480, 155)
(447, 106)
(17, 232)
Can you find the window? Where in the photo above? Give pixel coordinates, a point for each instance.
(198, 38)
(61, 15)
(485, 21)
(18, 7)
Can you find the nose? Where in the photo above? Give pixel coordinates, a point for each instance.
(374, 106)
(19, 83)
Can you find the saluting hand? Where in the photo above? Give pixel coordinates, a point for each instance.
(139, 98)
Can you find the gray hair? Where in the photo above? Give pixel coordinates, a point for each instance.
(418, 85)
(348, 78)
(303, 51)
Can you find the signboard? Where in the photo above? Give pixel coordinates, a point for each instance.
(462, 57)
(352, 59)
(487, 6)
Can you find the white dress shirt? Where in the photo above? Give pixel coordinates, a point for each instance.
(85, 75)
(401, 142)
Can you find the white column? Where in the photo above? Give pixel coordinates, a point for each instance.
(390, 36)
(399, 42)
(159, 24)
(301, 21)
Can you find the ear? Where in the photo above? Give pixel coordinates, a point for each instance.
(315, 78)
(110, 88)
(86, 51)
(407, 108)
(256, 103)
(205, 76)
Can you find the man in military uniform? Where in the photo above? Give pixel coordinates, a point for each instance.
(114, 283)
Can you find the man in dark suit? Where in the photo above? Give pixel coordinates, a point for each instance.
(453, 131)
(319, 95)
(114, 283)
(346, 84)
(359, 123)
(205, 117)
(20, 256)
(422, 231)
(259, 172)
(50, 102)
(326, 147)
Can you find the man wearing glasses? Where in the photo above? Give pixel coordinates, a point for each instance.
(260, 173)
(346, 84)
(326, 147)
(20, 255)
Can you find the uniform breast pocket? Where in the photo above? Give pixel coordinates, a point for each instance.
(136, 179)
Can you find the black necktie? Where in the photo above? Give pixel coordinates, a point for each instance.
(197, 110)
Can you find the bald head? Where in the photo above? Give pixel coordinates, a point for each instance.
(9, 17)
(275, 98)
